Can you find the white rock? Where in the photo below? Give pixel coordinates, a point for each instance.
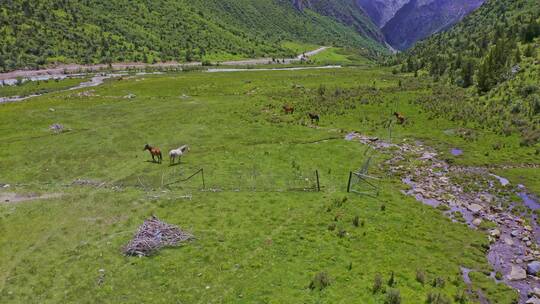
(477, 221)
(495, 233)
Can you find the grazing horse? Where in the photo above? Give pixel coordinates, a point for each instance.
(400, 118)
(314, 117)
(178, 153)
(288, 109)
(155, 152)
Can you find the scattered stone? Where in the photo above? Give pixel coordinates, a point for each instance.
(477, 221)
(517, 274)
(51, 110)
(56, 128)
(533, 268)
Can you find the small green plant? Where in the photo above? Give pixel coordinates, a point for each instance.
(320, 281)
(332, 227)
(377, 283)
(437, 298)
(421, 277)
(393, 296)
(461, 297)
(438, 282)
(383, 207)
(356, 221)
(392, 280)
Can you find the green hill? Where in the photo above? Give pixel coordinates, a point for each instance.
(494, 52)
(37, 33)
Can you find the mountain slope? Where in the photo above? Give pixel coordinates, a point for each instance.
(419, 19)
(37, 33)
(495, 52)
(346, 12)
(381, 11)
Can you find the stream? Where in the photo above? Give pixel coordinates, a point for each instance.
(472, 195)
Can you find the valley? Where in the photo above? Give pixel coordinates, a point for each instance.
(264, 151)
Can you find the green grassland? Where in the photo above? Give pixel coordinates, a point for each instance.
(256, 243)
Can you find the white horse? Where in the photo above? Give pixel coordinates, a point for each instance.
(178, 153)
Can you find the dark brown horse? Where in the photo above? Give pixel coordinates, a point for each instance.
(288, 109)
(400, 118)
(314, 117)
(155, 152)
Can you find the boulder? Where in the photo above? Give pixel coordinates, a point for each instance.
(475, 208)
(517, 274)
(536, 292)
(533, 268)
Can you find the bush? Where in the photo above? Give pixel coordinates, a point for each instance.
(392, 280)
(320, 281)
(393, 296)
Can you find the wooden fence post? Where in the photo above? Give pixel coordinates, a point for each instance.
(318, 183)
(349, 183)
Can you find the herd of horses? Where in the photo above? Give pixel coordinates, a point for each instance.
(288, 109)
(175, 154)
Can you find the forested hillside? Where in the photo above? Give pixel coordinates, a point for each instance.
(495, 52)
(40, 32)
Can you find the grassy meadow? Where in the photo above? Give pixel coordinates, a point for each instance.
(256, 241)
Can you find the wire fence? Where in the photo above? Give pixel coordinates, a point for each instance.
(234, 181)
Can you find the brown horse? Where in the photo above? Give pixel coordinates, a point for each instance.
(288, 109)
(400, 118)
(155, 152)
(314, 117)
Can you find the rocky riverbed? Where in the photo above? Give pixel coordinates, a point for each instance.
(474, 196)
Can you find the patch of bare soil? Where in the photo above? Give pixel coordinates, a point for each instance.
(14, 198)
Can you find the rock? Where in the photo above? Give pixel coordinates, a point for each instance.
(536, 292)
(528, 228)
(529, 244)
(533, 300)
(475, 208)
(477, 221)
(525, 239)
(519, 261)
(508, 241)
(495, 233)
(517, 274)
(514, 233)
(533, 268)
(486, 198)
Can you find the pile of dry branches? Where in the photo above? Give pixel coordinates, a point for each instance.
(153, 235)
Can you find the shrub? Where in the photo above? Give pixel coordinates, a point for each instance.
(377, 283)
(393, 296)
(320, 281)
(383, 207)
(332, 226)
(461, 297)
(342, 233)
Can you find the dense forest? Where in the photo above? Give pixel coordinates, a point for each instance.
(41, 32)
(494, 53)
